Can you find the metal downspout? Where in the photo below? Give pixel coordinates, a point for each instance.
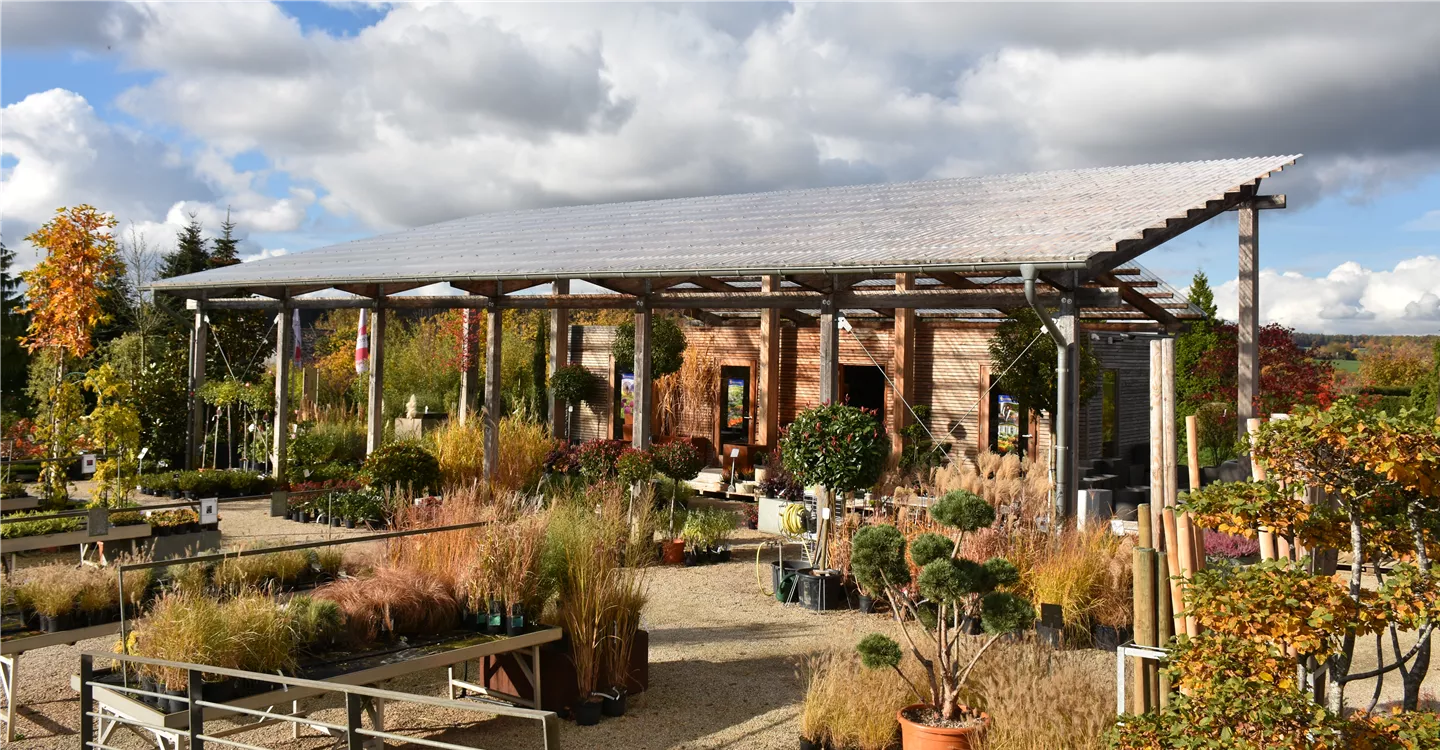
(1062, 397)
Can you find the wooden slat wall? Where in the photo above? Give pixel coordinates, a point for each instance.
(724, 345)
(590, 348)
(800, 364)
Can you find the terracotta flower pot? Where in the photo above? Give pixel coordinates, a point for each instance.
(914, 736)
(674, 552)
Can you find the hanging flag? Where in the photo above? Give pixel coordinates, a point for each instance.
(362, 343)
(299, 343)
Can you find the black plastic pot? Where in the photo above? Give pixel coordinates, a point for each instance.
(147, 683)
(809, 744)
(218, 692)
(820, 592)
(30, 618)
(865, 604)
(692, 558)
(723, 555)
(174, 704)
(335, 522)
(778, 577)
(349, 523)
(614, 706)
(1108, 638)
(587, 714)
(322, 519)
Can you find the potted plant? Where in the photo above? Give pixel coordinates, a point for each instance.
(838, 447)
(949, 597)
(680, 461)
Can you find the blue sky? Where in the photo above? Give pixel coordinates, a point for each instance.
(315, 123)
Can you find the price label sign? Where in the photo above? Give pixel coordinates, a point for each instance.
(734, 452)
(144, 451)
(209, 510)
(87, 463)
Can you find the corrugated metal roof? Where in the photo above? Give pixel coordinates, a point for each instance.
(1042, 217)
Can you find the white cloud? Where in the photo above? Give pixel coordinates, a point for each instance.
(1426, 222)
(65, 154)
(1349, 299)
(445, 110)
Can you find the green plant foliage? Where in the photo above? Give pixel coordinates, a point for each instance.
(573, 384)
(634, 466)
(404, 465)
(15, 528)
(951, 579)
(962, 510)
(1002, 572)
(877, 558)
(598, 458)
(667, 346)
(321, 443)
(929, 547)
(878, 651)
(678, 460)
(1029, 374)
(842, 448)
(1003, 612)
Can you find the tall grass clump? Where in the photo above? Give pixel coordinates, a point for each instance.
(460, 449)
(848, 706)
(391, 603)
(1041, 699)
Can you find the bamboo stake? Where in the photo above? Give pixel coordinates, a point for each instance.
(1191, 536)
(1142, 525)
(1177, 549)
(1145, 633)
(1164, 624)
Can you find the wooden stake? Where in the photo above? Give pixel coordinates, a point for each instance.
(1164, 624)
(1167, 416)
(1145, 633)
(1142, 525)
(1175, 552)
(1192, 447)
(1157, 434)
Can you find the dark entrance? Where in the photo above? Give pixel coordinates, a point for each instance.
(735, 421)
(864, 386)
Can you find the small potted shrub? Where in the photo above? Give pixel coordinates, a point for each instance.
(188, 483)
(403, 464)
(55, 603)
(680, 461)
(950, 590)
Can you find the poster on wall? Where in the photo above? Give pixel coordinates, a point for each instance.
(1007, 431)
(627, 395)
(735, 403)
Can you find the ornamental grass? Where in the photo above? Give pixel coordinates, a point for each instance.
(849, 706)
(1041, 699)
(391, 603)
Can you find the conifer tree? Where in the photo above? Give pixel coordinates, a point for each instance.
(226, 252)
(1190, 348)
(14, 360)
(191, 255)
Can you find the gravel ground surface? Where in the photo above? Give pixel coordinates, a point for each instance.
(722, 668)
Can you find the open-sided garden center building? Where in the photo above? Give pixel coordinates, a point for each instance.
(882, 293)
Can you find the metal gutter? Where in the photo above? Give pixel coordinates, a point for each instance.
(1028, 272)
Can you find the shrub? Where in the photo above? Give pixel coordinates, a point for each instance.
(840, 447)
(573, 384)
(1230, 546)
(404, 465)
(597, 458)
(634, 466)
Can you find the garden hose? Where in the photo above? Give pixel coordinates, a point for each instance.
(792, 520)
(792, 525)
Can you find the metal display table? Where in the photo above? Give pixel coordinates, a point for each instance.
(169, 728)
(13, 648)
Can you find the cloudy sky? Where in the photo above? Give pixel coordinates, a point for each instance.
(316, 123)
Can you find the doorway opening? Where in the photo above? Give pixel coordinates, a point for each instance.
(864, 386)
(735, 409)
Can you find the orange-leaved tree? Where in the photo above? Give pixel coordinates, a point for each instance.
(63, 302)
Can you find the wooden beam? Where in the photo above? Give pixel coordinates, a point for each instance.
(1140, 301)
(767, 389)
(284, 344)
(469, 365)
(559, 357)
(494, 288)
(375, 403)
(1128, 250)
(195, 431)
(950, 279)
(1248, 330)
(902, 369)
(644, 409)
(492, 408)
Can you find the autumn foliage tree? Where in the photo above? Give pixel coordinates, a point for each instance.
(64, 306)
(1288, 376)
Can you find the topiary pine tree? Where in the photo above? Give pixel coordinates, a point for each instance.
(950, 595)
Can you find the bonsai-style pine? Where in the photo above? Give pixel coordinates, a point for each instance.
(951, 595)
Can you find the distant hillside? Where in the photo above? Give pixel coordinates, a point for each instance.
(1351, 346)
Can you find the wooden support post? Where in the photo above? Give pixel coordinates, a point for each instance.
(829, 351)
(644, 385)
(1145, 532)
(284, 354)
(1157, 431)
(902, 369)
(375, 404)
(1248, 332)
(1268, 550)
(559, 357)
(767, 387)
(1145, 631)
(1175, 547)
(195, 431)
(309, 388)
(1167, 414)
(469, 365)
(493, 405)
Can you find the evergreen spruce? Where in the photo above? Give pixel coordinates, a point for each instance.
(226, 252)
(14, 360)
(1190, 347)
(190, 254)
